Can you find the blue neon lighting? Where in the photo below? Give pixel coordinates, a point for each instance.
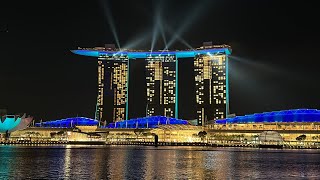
(9, 122)
(285, 116)
(133, 55)
(177, 93)
(69, 123)
(127, 95)
(152, 121)
(227, 86)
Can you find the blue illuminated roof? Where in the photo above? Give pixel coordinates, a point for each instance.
(136, 54)
(146, 122)
(285, 116)
(152, 122)
(69, 122)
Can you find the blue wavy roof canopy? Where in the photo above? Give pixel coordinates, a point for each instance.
(285, 116)
(146, 122)
(69, 122)
(152, 122)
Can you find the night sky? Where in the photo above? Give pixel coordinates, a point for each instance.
(274, 65)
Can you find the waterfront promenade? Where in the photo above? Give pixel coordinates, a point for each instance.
(286, 145)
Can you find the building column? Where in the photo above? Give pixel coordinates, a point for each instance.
(177, 84)
(227, 87)
(127, 98)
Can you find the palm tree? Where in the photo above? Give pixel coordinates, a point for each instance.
(315, 138)
(301, 138)
(138, 132)
(202, 135)
(255, 138)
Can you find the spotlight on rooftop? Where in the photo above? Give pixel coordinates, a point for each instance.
(108, 16)
(192, 16)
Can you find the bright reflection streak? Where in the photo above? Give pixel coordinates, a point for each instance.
(155, 32)
(139, 39)
(107, 12)
(67, 161)
(253, 78)
(192, 15)
(177, 37)
(256, 64)
(240, 73)
(133, 43)
(118, 164)
(162, 33)
(157, 25)
(154, 35)
(185, 43)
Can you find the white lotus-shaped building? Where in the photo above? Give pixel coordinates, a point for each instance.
(10, 123)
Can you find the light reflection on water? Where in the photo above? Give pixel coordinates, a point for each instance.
(139, 162)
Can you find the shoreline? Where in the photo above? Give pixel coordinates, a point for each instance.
(256, 146)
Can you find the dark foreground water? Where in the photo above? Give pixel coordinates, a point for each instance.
(139, 162)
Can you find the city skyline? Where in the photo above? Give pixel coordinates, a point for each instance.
(159, 89)
(268, 69)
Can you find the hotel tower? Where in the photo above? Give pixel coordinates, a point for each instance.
(210, 65)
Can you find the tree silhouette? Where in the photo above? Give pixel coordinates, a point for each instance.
(138, 132)
(301, 138)
(202, 135)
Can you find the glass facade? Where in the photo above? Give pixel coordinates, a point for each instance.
(99, 107)
(112, 82)
(211, 87)
(161, 85)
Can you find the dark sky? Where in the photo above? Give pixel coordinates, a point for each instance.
(274, 65)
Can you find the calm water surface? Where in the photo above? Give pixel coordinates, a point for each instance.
(139, 162)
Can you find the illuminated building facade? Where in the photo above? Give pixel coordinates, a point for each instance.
(249, 130)
(211, 87)
(161, 85)
(161, 76)
(112, 82)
